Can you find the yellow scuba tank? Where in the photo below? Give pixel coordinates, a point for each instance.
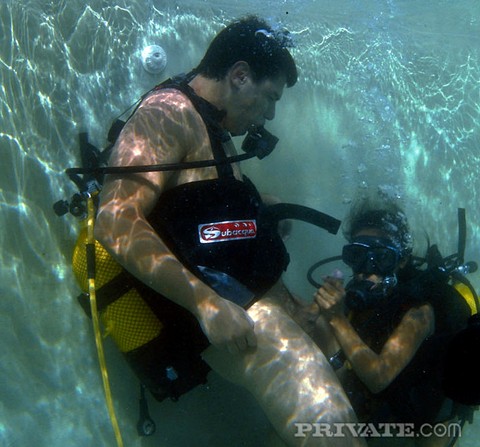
(467, 294)
(128, 320)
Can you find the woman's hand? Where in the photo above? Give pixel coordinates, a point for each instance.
(330, 297)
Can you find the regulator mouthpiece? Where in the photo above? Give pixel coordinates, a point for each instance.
(259, 141)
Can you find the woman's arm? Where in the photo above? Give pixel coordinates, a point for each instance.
(376, 371)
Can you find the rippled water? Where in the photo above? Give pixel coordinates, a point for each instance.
(388, 99)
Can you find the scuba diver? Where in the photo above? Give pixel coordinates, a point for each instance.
(188, 255)
(386, 332)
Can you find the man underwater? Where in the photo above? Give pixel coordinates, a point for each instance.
(160, 227)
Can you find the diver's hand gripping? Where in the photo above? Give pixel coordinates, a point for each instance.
(226, 325)
(330, 297)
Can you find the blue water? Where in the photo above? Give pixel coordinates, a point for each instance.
(388, 99)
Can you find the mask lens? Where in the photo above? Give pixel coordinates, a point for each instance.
(385, 260)
(370, 257)
(355, 255)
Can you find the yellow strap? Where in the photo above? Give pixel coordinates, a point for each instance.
(96, 326)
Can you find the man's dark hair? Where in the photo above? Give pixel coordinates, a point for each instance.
(252, 40)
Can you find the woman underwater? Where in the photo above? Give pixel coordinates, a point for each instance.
(387, 329)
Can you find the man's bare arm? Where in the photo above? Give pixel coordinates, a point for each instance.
(122, 225)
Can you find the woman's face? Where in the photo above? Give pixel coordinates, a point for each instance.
(370, 272)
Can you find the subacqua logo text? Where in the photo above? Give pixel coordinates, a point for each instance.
(227, 231)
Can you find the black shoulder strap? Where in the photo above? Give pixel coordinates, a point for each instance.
(211, 116)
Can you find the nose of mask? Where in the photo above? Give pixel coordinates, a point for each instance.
(370, 267)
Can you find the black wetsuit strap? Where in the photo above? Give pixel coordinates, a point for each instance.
(211, 116)
(224, 170)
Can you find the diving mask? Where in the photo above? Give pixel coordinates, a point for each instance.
(371, 255)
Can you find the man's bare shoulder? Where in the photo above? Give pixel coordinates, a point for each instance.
(172, 112)
(166, 128)
(170, 98)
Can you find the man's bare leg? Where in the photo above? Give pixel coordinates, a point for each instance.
(290, 378)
